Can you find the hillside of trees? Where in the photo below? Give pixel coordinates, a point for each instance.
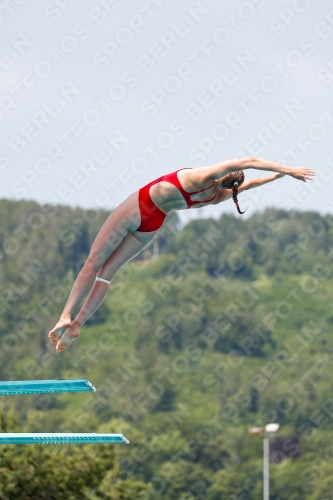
(219, 326)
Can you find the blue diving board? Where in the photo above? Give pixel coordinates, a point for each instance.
(12, 387)
(60, 438)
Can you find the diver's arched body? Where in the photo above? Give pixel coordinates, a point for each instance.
(136, 222)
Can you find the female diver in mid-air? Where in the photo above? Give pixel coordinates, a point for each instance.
(137, 220)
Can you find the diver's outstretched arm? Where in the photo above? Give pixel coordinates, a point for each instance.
(223, 168)
(253, 183)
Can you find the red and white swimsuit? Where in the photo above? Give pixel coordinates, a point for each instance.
(152, 217)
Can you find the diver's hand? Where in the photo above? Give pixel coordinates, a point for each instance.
(302, 174)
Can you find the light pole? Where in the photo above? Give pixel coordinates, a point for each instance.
(269, 431)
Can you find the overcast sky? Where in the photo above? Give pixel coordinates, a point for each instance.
(99, 98)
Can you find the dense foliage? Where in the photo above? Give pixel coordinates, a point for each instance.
(218, 327)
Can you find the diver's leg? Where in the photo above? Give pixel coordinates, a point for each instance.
(117, 226)
(128, 248)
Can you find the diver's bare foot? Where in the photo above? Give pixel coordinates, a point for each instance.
(56, 332)
(70, 334)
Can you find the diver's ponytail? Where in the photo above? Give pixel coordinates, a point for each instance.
(234, 196)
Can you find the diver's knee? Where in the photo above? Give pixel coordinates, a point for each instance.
(96, 261)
